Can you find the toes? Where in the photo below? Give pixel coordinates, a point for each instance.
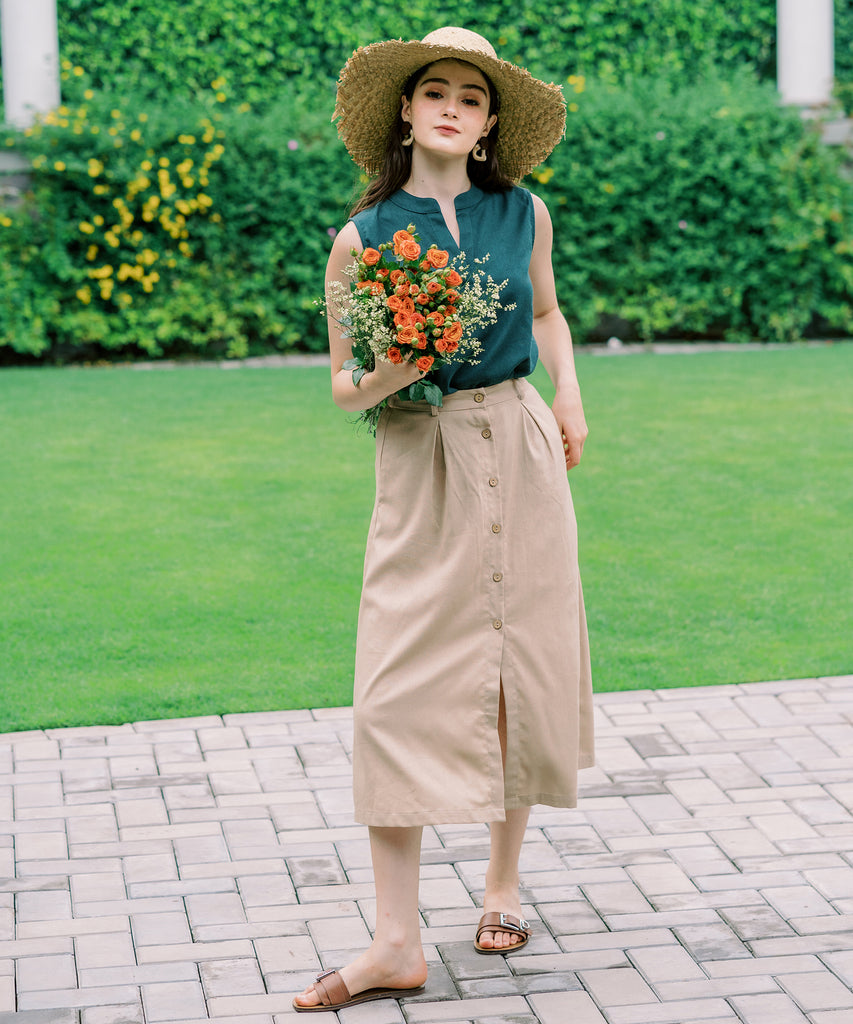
(308, 998)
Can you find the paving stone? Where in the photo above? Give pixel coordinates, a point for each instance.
(34, 971)
(818, 991)
(128, 1013)
(216, 908)
(173, 1001)
(560, 1007)
(231, 977)
(768, 1009)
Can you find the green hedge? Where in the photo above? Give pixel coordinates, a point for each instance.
(151, 47)
(700, 211)
(694, 210)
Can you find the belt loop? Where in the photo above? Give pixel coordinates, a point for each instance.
(433, 410)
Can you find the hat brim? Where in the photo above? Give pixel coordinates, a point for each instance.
(532, 116)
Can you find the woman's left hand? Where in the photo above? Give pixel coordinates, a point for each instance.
(568, 412)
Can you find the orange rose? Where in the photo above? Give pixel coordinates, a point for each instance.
(421, 341)
(394, 303)
(424, 265)
(418, 318)
(424, 363)
(437, 257)
(422, 299)
(407, 335)
(361, 285)
(453, 332)
(399, 238)
(441, 345)
(402, 320)
(433, 287)
(395, 355)
(381, 273)
(410, 250)
(452, 346)
(396, 275)
(371, 257)
(453, 279)
(436, 318)
(450, 311)
(377, 288)
(452, 295)
(402, 289)
(408, 305)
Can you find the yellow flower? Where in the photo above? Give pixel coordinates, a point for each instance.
(86, 227)
(101, 273)
(111, 238)
(95, 129)
(84, 294)
(163, 161)
(5, 221)
(609, 187)
(574, 108)
(136, 135)
(106, 289)
(143, 117)
(186, 140)
(78, 71)
(115, 114)
(125, 299)
(147, 257)
(91, 252)
(112, 130)
(98, 220)
(185, 166)
(204, 200)
(145, 165)
(59, 166)
(101, 190)
(216, 218)
(39, 161)
(221, 97)
(88, 95)
(244, 108)
(66, 64)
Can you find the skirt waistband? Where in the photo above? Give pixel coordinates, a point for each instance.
(475, 398)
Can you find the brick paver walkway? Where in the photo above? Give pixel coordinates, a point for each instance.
(205, 869)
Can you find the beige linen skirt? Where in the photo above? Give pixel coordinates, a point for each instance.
(471, 585)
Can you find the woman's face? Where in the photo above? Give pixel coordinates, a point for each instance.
(449, 109)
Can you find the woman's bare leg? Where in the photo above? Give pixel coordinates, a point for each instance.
(395, 958)
(507, 836)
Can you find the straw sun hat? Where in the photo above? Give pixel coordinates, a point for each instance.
(532, 113)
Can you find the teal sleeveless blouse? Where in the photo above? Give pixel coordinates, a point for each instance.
(499, 225)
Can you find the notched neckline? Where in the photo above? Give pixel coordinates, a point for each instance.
(426, 204)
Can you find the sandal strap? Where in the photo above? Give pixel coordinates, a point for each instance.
(494, 921)
(331, 988)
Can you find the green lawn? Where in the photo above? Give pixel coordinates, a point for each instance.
(189, 541)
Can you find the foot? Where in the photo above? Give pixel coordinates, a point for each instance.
(377, 968)
(502, 903)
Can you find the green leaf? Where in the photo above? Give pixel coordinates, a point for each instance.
(357, 374)
(432, 392)
(350, 364)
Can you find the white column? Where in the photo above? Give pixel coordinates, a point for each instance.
(30, 59)
(805, 51)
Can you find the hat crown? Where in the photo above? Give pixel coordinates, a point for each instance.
(461, 39)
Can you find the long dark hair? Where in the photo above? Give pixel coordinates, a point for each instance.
(397, 164)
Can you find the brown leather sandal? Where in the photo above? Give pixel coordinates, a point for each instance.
(334, 994)
(494, 922)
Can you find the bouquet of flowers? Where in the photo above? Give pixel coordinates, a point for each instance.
(406, 304)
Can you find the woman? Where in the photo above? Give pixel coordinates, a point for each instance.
(472, 690)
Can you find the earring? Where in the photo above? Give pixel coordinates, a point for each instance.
(479, 153)
(407, 140)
